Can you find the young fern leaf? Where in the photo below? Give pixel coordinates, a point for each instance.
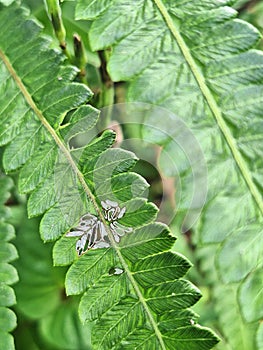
(8, 274)
(144, 301)
(197, 60)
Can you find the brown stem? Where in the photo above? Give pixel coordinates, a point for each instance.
(247, 6)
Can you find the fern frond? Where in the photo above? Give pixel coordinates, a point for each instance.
(228, 317)
(197, 60)
(39, 95)
(8, 274)
(40, 295)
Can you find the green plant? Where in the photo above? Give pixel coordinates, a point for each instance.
(195, 60)
(8, 273)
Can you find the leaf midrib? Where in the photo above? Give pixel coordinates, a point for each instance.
(81, 178)
(49, 128)
(212, 104)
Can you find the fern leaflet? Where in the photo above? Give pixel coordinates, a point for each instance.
(8, 273)
(197, 60)
(42, 112)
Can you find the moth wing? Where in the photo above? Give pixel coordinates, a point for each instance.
(112, 203)
(86, 222)
(104, 205)
(101, 244)
(122, 212)
(102, 230)
(119, 230)
(88, 217)
(74, 233)
(80, 245)
(108, 204)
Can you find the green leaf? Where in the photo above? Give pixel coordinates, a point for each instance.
(63, 252)
(7, 295)
(197, 61)
(95, 304)
(260, 337)
(189, 338)
(82, 120)
(8, 252)
(41, 296)
(7, 231)
(7, 319)
(82, 275)
(36, 170)
(43, 197)
(157, 275)
(242, 250)
(62, 216)
(5, 185)
(7, 340)
(124, 187)
(181, 318)
(91, 9)
(250, 296)
(7, 2)
(40, 91)
(14, 157)
(64, 330)
(38, 291)
(227, 313)
(8, 274)
(163, 268)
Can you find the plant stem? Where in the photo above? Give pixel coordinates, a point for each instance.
(80, 57)
(55, 16)
(107, 93)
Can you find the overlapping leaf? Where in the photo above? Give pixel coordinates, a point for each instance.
(40, 293)
(197, 60)
(65, 181)
(8, 274)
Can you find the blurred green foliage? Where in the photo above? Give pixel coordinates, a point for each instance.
(252, 12)
(40, 314)
(47, 319)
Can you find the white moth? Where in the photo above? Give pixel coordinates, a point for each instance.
(92, 232)
(112, 212)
